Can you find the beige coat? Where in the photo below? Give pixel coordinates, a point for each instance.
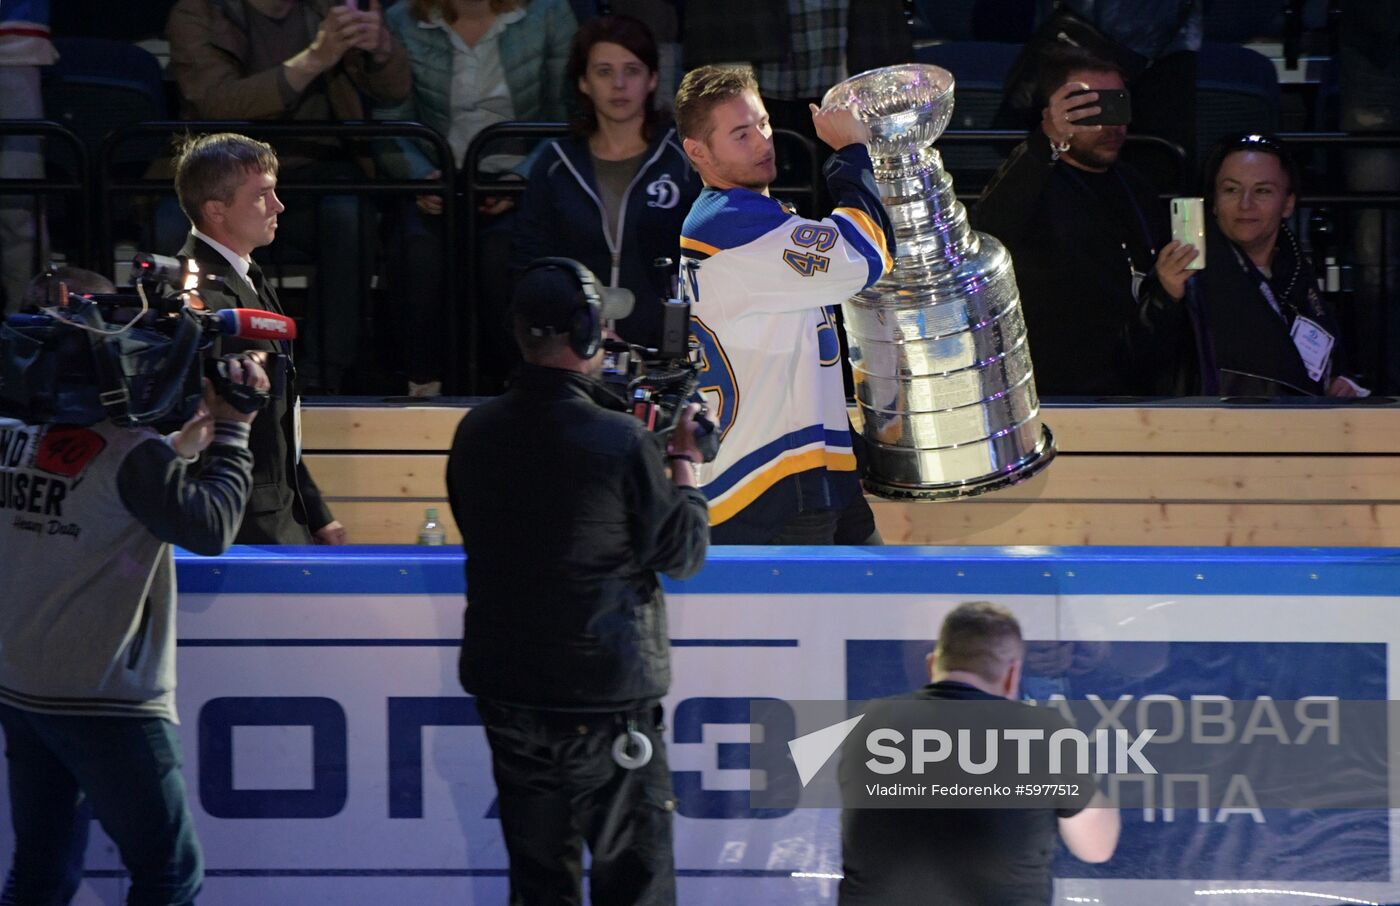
(208, 50)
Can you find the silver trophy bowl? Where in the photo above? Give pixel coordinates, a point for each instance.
(906, 107)
(938, 347)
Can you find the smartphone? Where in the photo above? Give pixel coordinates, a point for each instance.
(1115, 108)
(1189, 227)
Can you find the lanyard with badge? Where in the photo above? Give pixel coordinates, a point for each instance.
(1313, 342)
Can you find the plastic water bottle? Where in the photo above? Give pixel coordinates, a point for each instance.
(431, 531)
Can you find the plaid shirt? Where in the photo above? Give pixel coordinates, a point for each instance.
(817, 56)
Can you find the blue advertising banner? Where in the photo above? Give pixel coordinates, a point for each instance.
(331, 755)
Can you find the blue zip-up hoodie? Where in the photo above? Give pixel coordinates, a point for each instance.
(561, 213)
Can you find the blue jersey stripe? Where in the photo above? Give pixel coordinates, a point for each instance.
(757, 459)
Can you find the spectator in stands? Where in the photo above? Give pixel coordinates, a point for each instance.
(1268, 330)
(301, 60)
(475, 63)
(614, 194)
(24, 47)
(662, 19)
(1162, 39)
(1167, 33)
(1085, 230)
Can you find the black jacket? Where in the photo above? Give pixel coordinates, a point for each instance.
(285, 506)
(567, 515)
(561, 213)
(1067, 231)
(1248, 350)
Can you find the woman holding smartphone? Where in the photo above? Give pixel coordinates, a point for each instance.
(1263, 327)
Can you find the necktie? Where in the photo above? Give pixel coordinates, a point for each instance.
(255, 277)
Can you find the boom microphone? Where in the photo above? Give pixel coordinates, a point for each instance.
(255, 324)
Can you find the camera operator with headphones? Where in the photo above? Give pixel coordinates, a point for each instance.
(567, 514)
(87, 623)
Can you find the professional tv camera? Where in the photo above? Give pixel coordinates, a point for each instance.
(657, 384)
(135, 358)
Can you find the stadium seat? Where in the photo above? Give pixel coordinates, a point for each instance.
(1235, 22)
(99, 86)
(945, 20)
(1237, 90)
(979, 70)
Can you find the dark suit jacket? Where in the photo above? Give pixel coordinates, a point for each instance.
(285, 506)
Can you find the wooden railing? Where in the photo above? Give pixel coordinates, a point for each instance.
(1134, 475)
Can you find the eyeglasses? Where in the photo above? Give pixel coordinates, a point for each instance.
(1255, 140)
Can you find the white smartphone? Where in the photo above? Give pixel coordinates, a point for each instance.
(1189, 227)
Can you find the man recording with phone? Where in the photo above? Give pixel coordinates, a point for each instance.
(567, 514)
(1085, 231)
(89, 511)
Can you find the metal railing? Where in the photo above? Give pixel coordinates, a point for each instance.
(1369, 306)
(98, 184)
(358, 138)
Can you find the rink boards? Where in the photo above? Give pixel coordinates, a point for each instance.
(332, 757)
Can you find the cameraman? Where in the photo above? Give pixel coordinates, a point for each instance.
(565, 639)
(87, 636)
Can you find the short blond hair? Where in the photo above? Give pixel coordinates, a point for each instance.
(702, 90)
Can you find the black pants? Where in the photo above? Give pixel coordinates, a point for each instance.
(559, 788)
(853, 525)
(417, 255)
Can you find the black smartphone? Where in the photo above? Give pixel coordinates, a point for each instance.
(1115, 108)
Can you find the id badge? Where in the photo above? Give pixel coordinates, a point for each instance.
(296, 427)
(1314, 346)
(1138, 277)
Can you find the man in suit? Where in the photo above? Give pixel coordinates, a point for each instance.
(226, 184)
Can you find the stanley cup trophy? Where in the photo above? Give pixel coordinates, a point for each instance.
(938, 346)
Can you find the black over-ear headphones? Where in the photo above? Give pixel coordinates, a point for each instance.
(586, 321)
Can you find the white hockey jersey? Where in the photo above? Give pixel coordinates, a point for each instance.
(762, 283)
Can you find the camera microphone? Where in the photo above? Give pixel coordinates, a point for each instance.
(255, 324)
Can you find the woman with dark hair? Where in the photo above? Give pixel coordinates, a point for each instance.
(475, 63)
(612, 195)
(1264, 329)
